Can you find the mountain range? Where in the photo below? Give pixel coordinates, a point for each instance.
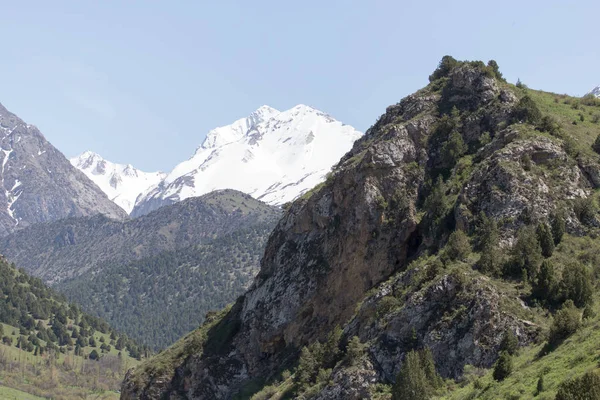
(596, 91)
(121, 183)
(274, 156)
(38, 184)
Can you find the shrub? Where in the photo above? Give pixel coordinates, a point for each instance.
(584, 388)
(566, 322)
(585, 209)
(550, 125)
(503, 367)
(510, 343)
(527, 111)
(540, 385)
(458, 246)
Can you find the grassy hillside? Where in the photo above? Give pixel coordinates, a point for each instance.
(50, 348)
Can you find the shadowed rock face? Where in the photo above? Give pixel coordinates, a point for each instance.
(38, 182)
(330, 259)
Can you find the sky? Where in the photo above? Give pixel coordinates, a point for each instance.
(142, 82)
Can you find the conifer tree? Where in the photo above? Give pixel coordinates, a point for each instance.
(503, 367)
(411, 382)
(558, 227)
(545, 239)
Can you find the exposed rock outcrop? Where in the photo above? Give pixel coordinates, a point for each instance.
(341, 255)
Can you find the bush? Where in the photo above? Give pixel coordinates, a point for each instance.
(550, 125)
(503, 367)
(458, 246)
(566, 322)
(585, 209)
(582, 388)
(527, 111)
(510, 343)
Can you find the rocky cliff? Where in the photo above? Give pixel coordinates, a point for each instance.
(366, 251)
(38, 182)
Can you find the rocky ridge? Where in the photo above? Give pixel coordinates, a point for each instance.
(38, 182)
(362, 251)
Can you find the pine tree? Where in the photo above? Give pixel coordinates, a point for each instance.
(558, 227)
(526, 254)
(503, 367)
(545, 239)
(428, 365)
(458, 246)
(545, 286)
(576, 285)
(411, 382)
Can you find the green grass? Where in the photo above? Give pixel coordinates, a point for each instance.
(13, 394)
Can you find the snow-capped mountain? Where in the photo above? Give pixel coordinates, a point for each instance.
(274, 156)
(121, 183)
(596, 91)
(37, 182)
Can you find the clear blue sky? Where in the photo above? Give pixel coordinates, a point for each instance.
(143, 81)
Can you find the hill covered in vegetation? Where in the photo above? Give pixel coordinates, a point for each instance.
(452, 253)
(51, 348)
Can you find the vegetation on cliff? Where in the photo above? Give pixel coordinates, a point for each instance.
(463, 226)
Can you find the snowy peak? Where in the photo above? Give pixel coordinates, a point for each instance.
(596, 91)
(230, 133)
(273, 156)
(122, 183)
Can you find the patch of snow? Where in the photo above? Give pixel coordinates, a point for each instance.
(273, 156)
(121, 183)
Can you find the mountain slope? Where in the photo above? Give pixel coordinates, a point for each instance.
(38, 182)
(596, 91)
(273, 156)
(160, 298)
(121, 183)
(50, 347)
(68, 248)
(431, 239)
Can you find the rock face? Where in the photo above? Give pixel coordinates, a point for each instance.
(38, 182)
(596, 91)
(341, 255)
(271, 155)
